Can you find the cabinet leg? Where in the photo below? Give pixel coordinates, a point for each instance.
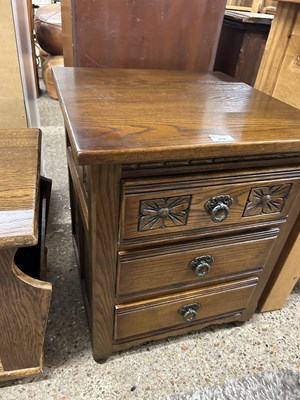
(101, 360)
(24, 311)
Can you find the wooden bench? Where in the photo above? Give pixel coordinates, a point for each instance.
(24, 300)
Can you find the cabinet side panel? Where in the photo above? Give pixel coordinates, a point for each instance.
(103, 234)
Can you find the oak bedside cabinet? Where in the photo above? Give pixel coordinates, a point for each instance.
(183, 187)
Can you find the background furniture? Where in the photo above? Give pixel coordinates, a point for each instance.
(254, 6)
(242, 43)
(24, 300)
(171, 238)
(145, 34)
(279, 71)
(47, 25)
(244, 5)
(48, 28)
(268, 6)
(279, 76)
(286, 273)
(30, 14)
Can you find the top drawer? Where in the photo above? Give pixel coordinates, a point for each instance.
(164, 208)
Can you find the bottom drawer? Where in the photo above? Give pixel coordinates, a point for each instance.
(159, 315)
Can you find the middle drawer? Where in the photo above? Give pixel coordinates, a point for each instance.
(191, 264)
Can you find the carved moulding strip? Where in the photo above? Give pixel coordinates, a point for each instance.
(207, 161)
(266, 200)
(163, 213)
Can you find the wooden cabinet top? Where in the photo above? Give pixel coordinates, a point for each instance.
(125, 116)
(19, 171)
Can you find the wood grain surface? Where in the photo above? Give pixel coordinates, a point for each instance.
(103, 237)
(162, 34)
(285, 275)
(201, 191)
(24, 301)
(67, 32)
(288, 83)
(241, 45)
(24, 309)
(140, 115)
(276, 47)
(151, 271)
(19, 170)
(160, 314)
(289, 1)
(243, 3)
(21, 373)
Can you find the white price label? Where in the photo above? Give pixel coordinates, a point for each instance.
(222, 138)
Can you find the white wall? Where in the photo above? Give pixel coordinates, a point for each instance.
(24, 47)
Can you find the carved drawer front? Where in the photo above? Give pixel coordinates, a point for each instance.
(174, 312)
(180, 208)
(176, 267)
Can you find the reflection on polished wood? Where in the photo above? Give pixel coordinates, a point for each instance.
(169, 115)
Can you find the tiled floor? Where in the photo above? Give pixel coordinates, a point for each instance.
(178, 365)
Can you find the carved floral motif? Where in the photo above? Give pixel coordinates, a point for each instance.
(266, 200)
(164, 213)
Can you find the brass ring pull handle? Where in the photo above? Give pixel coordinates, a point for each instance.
(201, 265)
(189, 312)
(218, 207)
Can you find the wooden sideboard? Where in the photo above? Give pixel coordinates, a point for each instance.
(24, 300)
(241, 45)
(184, 188)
